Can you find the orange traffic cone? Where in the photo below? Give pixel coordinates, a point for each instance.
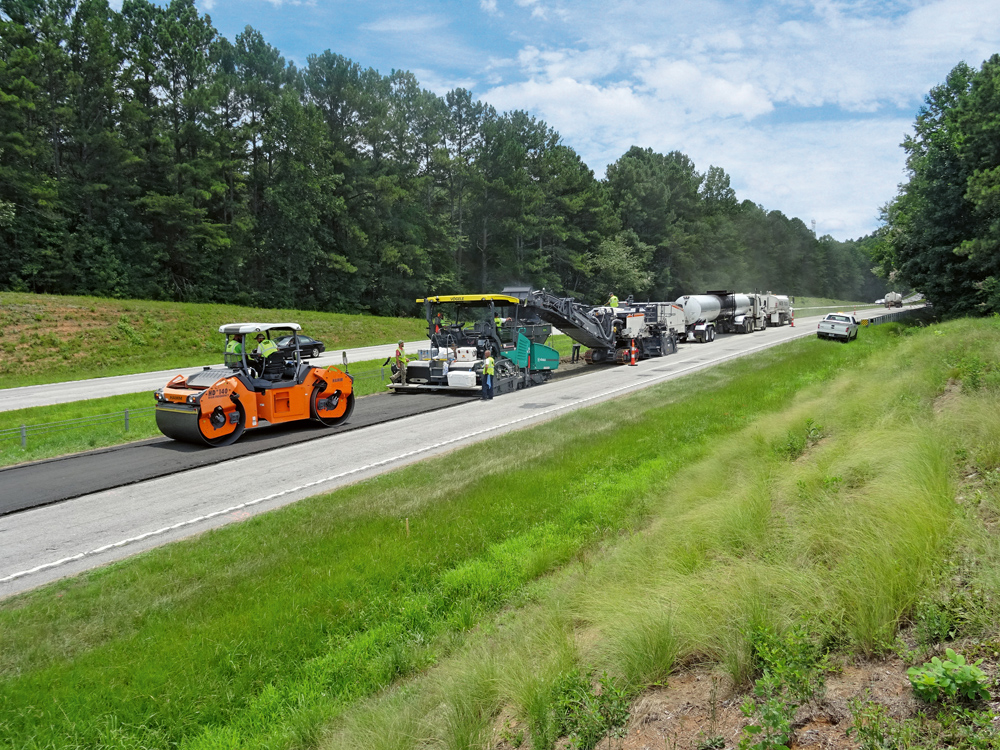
(792, 324)
(633, 353)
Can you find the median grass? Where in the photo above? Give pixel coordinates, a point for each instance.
(630, 536)
(49, 339)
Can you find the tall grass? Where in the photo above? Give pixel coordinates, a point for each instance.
(848, 531)
(257, 635)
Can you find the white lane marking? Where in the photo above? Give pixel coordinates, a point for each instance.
(376, 464)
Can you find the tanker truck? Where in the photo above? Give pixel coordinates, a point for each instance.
(777, 309)
(728, 312)
(893, 299)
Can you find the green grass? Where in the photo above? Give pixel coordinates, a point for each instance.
(49, 339)
(259, 634)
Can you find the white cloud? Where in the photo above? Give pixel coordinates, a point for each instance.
(490, 6)
(406, 24)
(803, 102)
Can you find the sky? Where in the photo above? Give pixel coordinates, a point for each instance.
(804, 103)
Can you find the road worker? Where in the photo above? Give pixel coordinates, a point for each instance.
(401, 359)
(234, 351)
(265, 347)
(488, 366)
(613, 300)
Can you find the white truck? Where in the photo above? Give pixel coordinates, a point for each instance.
(727, 312)
(893, 299)
(838, 326)
(778, 309)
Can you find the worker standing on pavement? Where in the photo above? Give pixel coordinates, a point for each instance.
(488, 366)
(401, 360)
(613, 300)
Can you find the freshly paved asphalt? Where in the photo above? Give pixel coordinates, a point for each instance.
(52, 480)
(46, 543)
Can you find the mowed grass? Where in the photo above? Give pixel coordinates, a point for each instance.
(49, 339)
(261, 633)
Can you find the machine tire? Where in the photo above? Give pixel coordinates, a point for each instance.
(329, 421)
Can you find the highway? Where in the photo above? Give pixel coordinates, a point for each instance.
(45, 543)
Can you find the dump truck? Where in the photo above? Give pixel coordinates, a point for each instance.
(461, 327)
(216, 405)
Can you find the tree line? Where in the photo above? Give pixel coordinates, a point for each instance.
(142, 154)
(941, 233)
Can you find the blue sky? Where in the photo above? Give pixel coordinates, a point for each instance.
(804, 103)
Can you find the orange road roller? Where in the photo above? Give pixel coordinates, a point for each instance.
(257, 383)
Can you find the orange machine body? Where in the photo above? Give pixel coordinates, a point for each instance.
(215, 406)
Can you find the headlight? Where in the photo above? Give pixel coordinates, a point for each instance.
(193, 398)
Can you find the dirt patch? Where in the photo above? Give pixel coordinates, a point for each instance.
(699, 709)
(949, 397)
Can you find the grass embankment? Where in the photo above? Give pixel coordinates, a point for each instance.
(259, 634)
(49, 339)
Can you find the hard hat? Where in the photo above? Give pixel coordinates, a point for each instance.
(401, 342)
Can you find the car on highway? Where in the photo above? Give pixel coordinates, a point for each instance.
(838, 326)
(309, 346)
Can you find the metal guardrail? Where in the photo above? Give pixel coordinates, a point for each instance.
(125, 418)
(893, 316)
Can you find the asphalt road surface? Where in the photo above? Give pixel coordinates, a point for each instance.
(49, 542)
(56, 479)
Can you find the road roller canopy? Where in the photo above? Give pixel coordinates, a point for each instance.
(474, 299)
(245, 328)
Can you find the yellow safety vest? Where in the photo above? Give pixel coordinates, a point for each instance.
(234, 347)
(266, 348)
(488, 366)
(498, 321)
(613, 302)
(401, 357)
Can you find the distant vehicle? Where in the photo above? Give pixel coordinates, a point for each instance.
(838, 326)
(880, 301)
(893, 299)
(309, 347)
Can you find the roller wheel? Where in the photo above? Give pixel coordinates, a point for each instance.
(331, 417)
(215, 429)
